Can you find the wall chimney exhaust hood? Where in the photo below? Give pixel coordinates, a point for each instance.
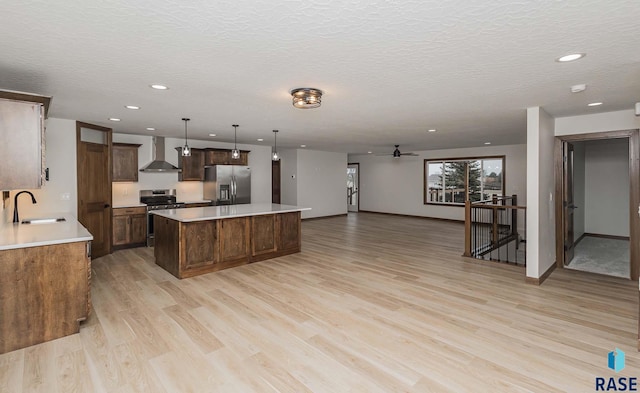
(159, 164)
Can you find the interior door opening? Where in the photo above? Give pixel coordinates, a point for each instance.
(353, 184)
(597, 200)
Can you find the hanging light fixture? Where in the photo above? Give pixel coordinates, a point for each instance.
(274, 155)
(235, 153)
(186, 150)
(306, 97)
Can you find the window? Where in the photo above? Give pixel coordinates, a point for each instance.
(450, 181)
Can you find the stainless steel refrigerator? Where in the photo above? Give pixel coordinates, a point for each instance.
(227, 184)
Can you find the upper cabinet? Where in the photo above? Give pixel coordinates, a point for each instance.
(223, 157)
(124, 162)
(22, 140)
(193, 166)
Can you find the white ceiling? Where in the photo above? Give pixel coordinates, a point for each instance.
(390, 69)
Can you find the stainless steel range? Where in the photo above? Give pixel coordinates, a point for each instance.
(157, 200)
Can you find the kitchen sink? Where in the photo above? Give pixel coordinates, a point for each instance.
(43, 220)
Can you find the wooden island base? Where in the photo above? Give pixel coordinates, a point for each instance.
(187, 249)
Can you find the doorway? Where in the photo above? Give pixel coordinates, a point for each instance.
(597, 197)
(275, 182)
(93, 146)
(353, 184)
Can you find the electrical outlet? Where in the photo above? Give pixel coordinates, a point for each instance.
(65, 196)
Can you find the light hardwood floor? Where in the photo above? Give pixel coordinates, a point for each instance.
(373, 303)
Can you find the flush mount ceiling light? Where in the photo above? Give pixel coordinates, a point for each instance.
(114, 119)
(306, 97)
(595, 104)
(212, 134)
(274, 155)
(186, 150)
(571, 57)
(235, 153)
(159, 87)
(150, 129)
(260, 139)
(432, 130)
(132, 107)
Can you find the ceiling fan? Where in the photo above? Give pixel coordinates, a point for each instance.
(396, 153)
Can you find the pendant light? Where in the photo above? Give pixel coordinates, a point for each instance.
(186, 150)
(275, 156)
(235, 153)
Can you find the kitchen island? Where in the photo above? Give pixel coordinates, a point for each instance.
(45, 274)
(194, 241)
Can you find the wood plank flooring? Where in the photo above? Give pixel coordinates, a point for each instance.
(373, 303)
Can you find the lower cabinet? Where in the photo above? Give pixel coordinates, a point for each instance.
(200, 241)
(129, 227)
(234, 239)
(187, 249)
(44, 293)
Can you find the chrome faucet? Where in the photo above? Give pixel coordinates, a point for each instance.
(15, 204)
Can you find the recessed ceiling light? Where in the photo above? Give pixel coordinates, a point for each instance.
(150, 129)
(487, 143)
(212, 134)
(159, 87)
(132, 107)
(303, 145)
(369, 152)
(432, 130)
(595, 104)
(260, 139)
(571, 57)
(114, 119)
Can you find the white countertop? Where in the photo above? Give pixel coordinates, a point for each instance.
(33, 235)
(228, 211)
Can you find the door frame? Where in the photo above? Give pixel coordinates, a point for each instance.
(357, 185)
(634, 192)
(109, 132)
(273, 182)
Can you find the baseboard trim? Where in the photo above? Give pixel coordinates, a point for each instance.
(321, 217)
(540, 280)
(412, 216)
(604, 236)
(579, 239)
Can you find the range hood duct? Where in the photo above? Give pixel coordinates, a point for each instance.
(159, 164)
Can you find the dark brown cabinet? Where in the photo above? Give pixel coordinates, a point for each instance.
(192, 166)
(203, 204)
(223, 157)
(263, 234)
(187, 249)
(129, 227)
(124, 162)
(288, 231)
(44, 293)
(200, 244)
(234, 239)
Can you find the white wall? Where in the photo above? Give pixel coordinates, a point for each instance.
(540, 192)
(128, 193)
(607, 187)
(578, 189)
(288, 177)
(321, 182)
(598, 122)
(60, 140)
(393, 185)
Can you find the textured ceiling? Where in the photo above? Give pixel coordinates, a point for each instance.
(390, 69)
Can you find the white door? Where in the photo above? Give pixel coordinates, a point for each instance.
(352, 187)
